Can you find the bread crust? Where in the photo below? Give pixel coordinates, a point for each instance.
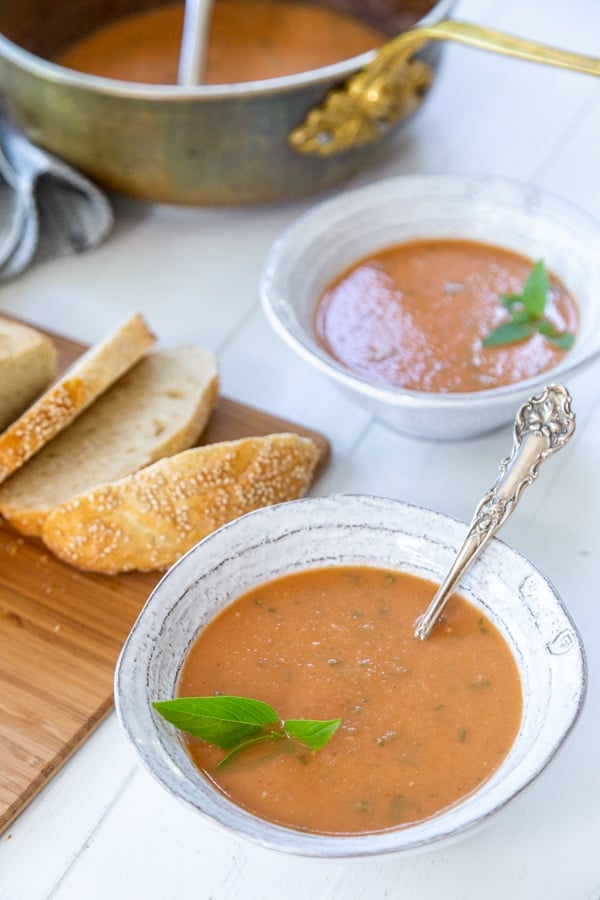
(83, 382)
(156, 409)
(146, 521)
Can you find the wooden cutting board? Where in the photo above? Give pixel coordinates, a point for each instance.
(61, 631)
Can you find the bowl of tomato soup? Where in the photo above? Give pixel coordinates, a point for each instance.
(310, 607)
(439, 303)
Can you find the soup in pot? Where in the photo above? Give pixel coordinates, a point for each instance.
(249, 40)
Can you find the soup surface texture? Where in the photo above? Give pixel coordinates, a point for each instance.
(423, 722)
(250, 40)
(414, 315)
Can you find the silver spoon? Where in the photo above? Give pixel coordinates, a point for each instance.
(194, 41)
(543, 425)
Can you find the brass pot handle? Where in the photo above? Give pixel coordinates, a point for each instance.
(394, 84)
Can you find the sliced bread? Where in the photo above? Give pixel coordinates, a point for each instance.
(80, 385)
(27, 366)
(148, 520)
(158, 408)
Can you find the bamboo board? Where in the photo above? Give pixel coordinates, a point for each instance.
(61, 632)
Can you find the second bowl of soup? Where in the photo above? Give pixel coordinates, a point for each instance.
(439, 302)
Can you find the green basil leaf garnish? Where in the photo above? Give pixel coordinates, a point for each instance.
(312, 732)
(236, 723)
(221, 721)
(508, 333)
(526, 311)
(564, 341)
(535, 290)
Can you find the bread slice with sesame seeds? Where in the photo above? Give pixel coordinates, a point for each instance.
(27, 366)
(156, 409)
(80, 385)
(147, 520)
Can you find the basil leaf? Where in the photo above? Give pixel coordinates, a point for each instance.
(243, 745)
(563, 341)
(526, 311)
(236, 723)
(312, 732)
(221, 721)
(520, 314)
(535, 290)
(508, 333)
(545, 327)
(510, 300)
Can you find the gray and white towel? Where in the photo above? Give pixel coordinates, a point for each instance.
(47, 209)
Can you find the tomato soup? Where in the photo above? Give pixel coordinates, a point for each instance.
(249, 40)
(423, 723)
(415, 316)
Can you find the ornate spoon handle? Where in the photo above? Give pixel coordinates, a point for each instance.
(543, 425)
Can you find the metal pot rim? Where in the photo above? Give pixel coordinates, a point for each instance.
(60, 75)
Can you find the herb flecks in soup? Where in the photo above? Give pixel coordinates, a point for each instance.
(416, 316)
(423, 723)
(249, 40)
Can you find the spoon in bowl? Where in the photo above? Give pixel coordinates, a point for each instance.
(542, 426)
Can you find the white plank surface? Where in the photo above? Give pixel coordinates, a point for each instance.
(102, 828)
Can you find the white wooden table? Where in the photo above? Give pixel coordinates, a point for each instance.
(103, 828)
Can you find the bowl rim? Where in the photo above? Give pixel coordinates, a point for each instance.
(309, 348)
(277, 837)
(61, 75)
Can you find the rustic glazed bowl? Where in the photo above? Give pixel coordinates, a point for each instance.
(324, 242)
(348, 530)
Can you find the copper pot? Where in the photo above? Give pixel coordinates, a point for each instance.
(249, 142)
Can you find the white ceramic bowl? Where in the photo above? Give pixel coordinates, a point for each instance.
(337, 233)
(344, 530)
